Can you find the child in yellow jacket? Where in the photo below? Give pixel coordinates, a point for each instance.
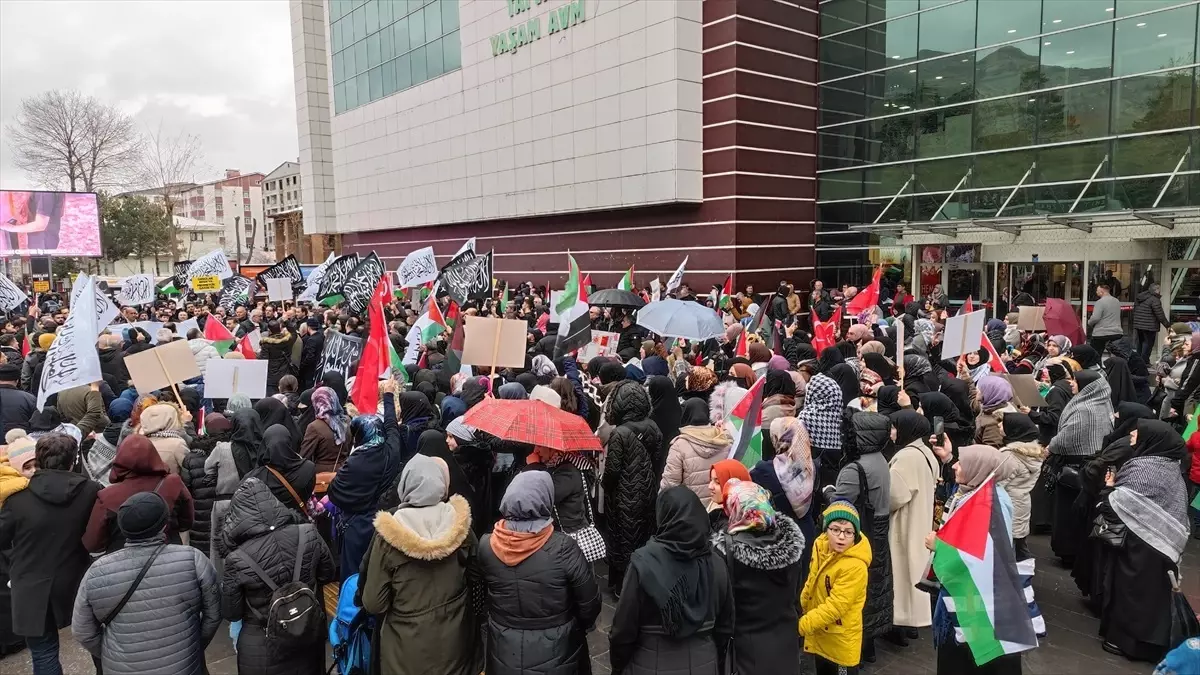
(835, 592)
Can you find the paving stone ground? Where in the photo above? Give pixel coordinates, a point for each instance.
(1071, 648)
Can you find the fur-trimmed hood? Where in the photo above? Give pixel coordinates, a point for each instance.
(404, 539)
(284, 336)
(777, 550)
(1029, 453)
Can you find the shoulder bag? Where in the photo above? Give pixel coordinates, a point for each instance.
(588, 537)
(291, 491)
(133, 587)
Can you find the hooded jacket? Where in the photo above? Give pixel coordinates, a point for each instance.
(1148, 312)
(832, 599)
(112, 367)
(277, 352)
(171, 448)
(137, 468)
(629, 481)
(691, 455)
(42, 526)
(202, 351)
(1017, 474)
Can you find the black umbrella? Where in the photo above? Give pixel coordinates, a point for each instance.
(614, 297)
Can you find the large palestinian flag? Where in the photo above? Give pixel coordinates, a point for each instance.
(746, 419)
(974, 560)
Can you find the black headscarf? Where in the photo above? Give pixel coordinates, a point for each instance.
(1085, 356)
(804, 352)
(848, 349)
(1127, 416)
(1120, 380)
(594, 365)
(246, 441)
(664, 407)
(675, 567)
(936, 404)
(1019, 428)
(428, 390)
(528, 380)
(910, 426)
(473, 393)
(830, 357)
(432, 443)
(415, 407)
(960, 394)
(779, 382)
(1157, 438)
(847, 380)
(306, 415)
(887, 400)
(1086, 377)
(281, 455)
(337, 382)
(272, 411)
(880, 365)
(695, 413)
(611, 372)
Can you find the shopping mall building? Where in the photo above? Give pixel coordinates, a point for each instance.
(989, 146)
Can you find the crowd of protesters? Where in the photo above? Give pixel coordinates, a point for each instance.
(144, 519)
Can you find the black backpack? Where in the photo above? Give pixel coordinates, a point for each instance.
(296, 615)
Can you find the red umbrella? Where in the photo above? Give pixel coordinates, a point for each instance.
(532, 422)
(1063, 319)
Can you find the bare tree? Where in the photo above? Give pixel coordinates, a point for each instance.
(167, 167)
(65, 139)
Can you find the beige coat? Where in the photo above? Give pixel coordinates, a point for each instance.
(913, 479)
(987, 425)
(691, 455)
(1017, 474)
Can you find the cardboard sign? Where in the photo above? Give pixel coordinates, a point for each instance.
(499, 343)
(341, 354)
(603, 344)
(1025, 391)
(161, 367)
(206, 284)
(223, 378)
(962, 334)
(182, 327)
(1031, 318)
(899, 344)
(279, 290)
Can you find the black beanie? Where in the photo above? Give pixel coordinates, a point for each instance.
(142, 516)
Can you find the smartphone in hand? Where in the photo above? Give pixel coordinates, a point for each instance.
(939, 430)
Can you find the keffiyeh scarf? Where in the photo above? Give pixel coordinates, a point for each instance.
(1085, 421)
(1151, 500)
(822, 413)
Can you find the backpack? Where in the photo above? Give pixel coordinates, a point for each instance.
(350, 632)
(295, 618)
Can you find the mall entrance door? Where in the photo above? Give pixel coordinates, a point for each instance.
(1046, 280)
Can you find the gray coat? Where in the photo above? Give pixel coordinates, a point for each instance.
(167, 623)
(1105, 318)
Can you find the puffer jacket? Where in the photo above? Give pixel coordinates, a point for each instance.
(277, 352)
(1148, 312)
(1017, 474)
(259, 528)
(202, 351)
(628, 481)
(765, 569)
(539, 609)
(833, 599)
(203, 487)
(691, 455)
(167, 622)
(418, 584)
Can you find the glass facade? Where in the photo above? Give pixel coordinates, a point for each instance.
(381, 47)
(921, 91)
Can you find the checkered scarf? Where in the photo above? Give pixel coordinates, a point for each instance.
(1151, 500)
(1085, 421)
(822, 413)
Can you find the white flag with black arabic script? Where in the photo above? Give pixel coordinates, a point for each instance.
(103, 308)
(72, 360)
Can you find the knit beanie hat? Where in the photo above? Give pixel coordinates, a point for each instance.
(841, 510)
(20, 451)
(120, 409)
(1180, 328)
(142, 516)
(45, 340)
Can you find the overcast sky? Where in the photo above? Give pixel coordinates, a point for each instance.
(220, 69)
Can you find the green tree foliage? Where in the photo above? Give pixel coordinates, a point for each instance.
(134, 226)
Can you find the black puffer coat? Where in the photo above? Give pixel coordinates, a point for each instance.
(203, 488)
(629, 483)
(277, 352)
(540, 609)
(871, 435)
(262, 529)
(765, 577)
(1148, 312)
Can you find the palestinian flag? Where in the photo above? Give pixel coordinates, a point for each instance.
(743, 345)
(453, 315)
(246, 349)
(376, 356)
(626, 282)
(974, 560)
(219, 335)
(574, 323)
(455, 349)
(437, 322)
(966, 308)
(723, 295)
(397, 364)
(504, 301)
(169, 289)
(746, 418)
(867, 297)
(570, 294)
(993, 356)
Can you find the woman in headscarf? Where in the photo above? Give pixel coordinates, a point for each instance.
(847, 379)
(290, 477)
(525, 554)
(1149, 497)
(236, 403)
(1120, 381)
(137, 468)
(936, 404)
(699, 383)
(790, 478)
(913, 473)
(822, 419)
(327, 439)
(1174, 366)
(1086, 356)
(475, 459)
(891, 399)
(97, 462)
(918, 375)
(473, 392)
(743, 374)
(305, 414)
(975, 463)
(962, 394)
(830, 357)
(415, 579)
(881, 365)
(718, 476)
(762, 549)
(665, 412)
(246, 441)
(272, 411)
(1081, 430)
(1062, 388)
(416, 415)
(360, 486)
(512, 391)
(699, 445)
(337, 382)
(1018, 473)
(163, 426)
(675, 614)
(995, 399)
(779, 400)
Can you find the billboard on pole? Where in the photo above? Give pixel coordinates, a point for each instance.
(60, 224)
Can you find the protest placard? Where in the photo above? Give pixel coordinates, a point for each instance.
(224, 377)
(164, 366)
(498, 343)
(963, 333)
(279, 290)
(1031, 318)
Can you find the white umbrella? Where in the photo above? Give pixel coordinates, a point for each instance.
(682, 319)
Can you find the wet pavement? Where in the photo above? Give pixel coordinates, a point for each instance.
(1070, 648)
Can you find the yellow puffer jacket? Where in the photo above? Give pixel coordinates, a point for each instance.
(833, 599)
(11, 482)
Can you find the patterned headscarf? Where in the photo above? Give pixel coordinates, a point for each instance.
(367, 431)
(701, 379)
(793, 462)
(329, 409)
(748, 507)
(238, 402)
(822, 413)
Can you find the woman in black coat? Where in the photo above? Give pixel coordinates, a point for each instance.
(277, 352)
(542, 599)
(261, 529)
(629, 483)
(762, 550)
(41, 528)
(290, 477)
(201, 485)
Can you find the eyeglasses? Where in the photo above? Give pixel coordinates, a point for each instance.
(840, 532)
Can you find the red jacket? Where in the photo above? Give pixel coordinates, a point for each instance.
(1193, 445)
(137, 468)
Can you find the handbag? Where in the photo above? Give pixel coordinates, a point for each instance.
(1109, 531)
(1183, 619)
(588, 537)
